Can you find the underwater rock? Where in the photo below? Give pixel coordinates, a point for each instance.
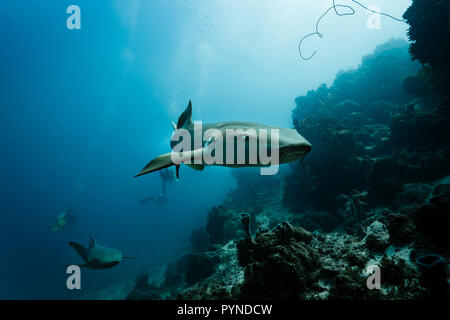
(277, 264)
(382, 111)
(285, 232)
(434, 274)
(330, 268)
(245, 219)
(190, 269)
(412, 195)
(345, 108)
(174, 275)
(217, 217)
(427, 18)
(318, 180)
(401, 228)
(250, 186)
(356, 258)
(145, 290)
(223, 225)
(421, 164)
(316, 220)
(199, 240)
(419, 127)
(200, 266)
(354, 211)
(377, 237)
(223, 284)
(441, 197)
(384, 181)
(417, 85)
(274, 271)
(395, 270)
(372, 182)
(433, 218)
(433, 222)
(384, 70)
(351, 285)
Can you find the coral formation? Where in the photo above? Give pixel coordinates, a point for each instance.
(375, 190)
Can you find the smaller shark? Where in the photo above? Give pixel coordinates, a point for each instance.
(98, 257)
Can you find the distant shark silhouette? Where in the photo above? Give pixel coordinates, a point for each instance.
(291, 146)
(98, 257)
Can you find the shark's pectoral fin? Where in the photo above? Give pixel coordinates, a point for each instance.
(173, 158)
(158, 163)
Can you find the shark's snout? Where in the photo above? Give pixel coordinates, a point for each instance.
(302, 147)
(306, 147)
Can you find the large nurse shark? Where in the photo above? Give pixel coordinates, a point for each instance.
(230, 144)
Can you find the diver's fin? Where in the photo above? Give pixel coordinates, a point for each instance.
(185, 118)
(158, 163)
(82, 251)
(174, 126)
(199, 167)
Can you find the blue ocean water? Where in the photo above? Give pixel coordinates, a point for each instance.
(82, 111)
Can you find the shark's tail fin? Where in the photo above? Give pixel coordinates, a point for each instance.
(160, 162)
(82, 251)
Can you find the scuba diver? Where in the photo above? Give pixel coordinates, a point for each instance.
(65, 219)
(167, 176)
(158, 199)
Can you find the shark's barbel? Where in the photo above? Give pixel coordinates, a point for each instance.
(290, 145)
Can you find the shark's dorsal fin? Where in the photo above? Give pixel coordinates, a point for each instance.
(185, 118)
(91, 241)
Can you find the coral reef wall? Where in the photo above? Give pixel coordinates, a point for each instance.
(375, 190)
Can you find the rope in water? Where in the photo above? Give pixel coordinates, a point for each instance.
(339, 14)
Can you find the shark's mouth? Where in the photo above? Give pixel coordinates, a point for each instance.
(297, 150)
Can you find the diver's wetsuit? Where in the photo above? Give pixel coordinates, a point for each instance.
(167, 176)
